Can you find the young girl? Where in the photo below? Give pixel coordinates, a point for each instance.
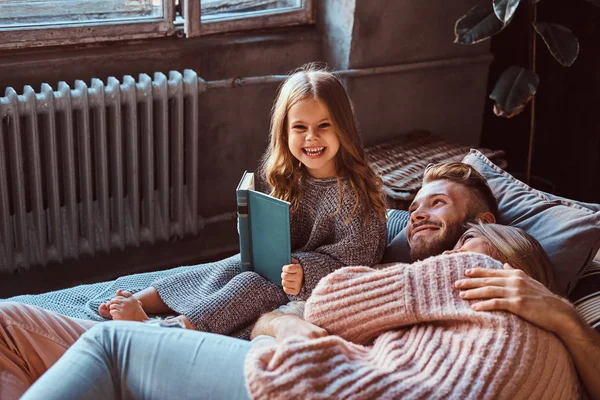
(315, 160)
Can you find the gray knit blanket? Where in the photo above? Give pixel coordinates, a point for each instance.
(82, 301)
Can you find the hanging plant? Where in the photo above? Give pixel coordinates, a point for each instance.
(517, 85)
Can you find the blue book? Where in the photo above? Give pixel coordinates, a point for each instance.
(264, 230)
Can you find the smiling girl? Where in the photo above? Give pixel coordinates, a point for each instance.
(315, 160)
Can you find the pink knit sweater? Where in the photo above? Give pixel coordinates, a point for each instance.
(403, 332)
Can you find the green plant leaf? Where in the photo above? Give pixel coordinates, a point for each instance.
(505, 9)
(513, 91)
(477, 25)
(561, 42)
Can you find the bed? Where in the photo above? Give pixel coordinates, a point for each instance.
(568, 230)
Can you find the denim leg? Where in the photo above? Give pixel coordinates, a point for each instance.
(132, 360)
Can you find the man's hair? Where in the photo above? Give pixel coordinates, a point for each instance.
(481, 198)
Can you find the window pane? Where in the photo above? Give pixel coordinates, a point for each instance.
(19, 13)
(212, 10)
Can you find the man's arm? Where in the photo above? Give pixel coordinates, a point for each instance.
(284, 322)
(583, 343)
(512, 290)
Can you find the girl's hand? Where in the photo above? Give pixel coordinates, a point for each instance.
(514, 291)
(292, 277)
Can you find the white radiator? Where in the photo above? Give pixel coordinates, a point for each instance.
(97, 169)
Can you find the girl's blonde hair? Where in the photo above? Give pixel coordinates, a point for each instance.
(283, 172)
(516, 247)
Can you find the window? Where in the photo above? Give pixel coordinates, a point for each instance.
(31, 23)
(234, 15)
(36, 12)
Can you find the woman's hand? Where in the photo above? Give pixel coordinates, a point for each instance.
(290, 325)
(292, 277)
(512, 290)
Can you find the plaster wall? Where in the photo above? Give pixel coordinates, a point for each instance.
(447, 100)
(387, 32)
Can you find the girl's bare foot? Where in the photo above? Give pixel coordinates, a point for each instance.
(104, 310)
(125, 307)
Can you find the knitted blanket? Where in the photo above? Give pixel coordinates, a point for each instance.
(404, 332)
(82, 301)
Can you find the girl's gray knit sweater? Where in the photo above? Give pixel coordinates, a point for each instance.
(218, 297)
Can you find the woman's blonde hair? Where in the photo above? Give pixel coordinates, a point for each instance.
(283, 172)
(516, 247)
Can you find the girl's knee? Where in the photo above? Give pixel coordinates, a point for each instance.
(250, 277)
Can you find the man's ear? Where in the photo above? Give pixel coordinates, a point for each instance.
(487, 217)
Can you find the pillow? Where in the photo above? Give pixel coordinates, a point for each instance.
(568, 231)
(397, 249)
(396, 222)
(590, 206)
(586, 296)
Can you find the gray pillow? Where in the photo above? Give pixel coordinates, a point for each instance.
(591, 206)
(568, 231)
(397, 249)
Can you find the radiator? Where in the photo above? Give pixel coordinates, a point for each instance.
(96, 169)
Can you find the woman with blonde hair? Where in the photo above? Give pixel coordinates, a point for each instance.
(510, 245)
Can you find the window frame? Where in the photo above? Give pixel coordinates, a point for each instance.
(130, 29)
(90, 32)
(194, 26)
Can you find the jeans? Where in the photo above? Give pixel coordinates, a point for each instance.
(131, 360)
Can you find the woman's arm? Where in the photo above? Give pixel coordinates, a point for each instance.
(360, 303)
(512, 290)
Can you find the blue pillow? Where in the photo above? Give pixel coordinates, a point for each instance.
(569, 231)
